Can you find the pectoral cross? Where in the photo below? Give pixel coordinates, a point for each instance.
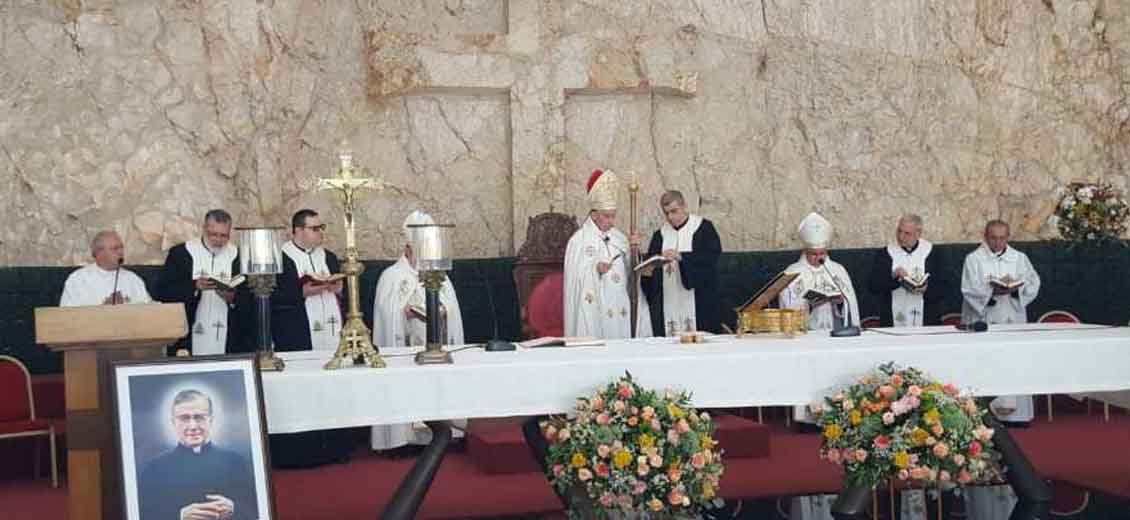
(218, 326)
(332, 321)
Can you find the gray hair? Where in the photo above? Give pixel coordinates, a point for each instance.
(998, 222)
(185, 396)
(99, 241)
(911, 218)
(672, 196)
(218, 216)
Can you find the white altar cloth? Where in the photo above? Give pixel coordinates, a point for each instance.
(724, 372)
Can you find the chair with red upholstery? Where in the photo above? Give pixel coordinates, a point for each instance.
(869, 322)
(1058, 317)
(951, 319)
(541, 256)
(545, 315)
(17, 409)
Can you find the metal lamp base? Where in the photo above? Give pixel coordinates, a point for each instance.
(269, 362)
(433, 354)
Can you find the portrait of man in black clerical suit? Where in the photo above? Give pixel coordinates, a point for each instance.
(196, 479)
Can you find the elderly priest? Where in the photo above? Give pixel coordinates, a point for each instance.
(399, 321)
(190, 276)
(597, 279)
(907, 278)
(104, 281)
(684, 294)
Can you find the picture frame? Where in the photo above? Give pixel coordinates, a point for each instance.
(192, 435)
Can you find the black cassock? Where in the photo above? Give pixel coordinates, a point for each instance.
(290, 326)
(698, 270)
(180, 477)
(881, 283)
(176, 284)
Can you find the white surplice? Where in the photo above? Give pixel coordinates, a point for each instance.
(322, 310)
(678, 301)
(91, 285)
(398, 287)
(209, 333)
(908, 308)
(980, 266)
(826, 279)
(597, 305)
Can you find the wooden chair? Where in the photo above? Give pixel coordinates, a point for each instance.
(542, 255)
(17, 410)
(869, 322)
(1058, 316)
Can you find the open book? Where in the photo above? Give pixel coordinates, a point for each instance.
(555, 341)
(817, 296)
(228, 284)
(320, 279)
(913, 284)
(1006, 283)
(655, 260)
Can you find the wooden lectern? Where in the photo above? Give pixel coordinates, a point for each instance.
(90, 338)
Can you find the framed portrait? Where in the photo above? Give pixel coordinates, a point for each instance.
(192, 437)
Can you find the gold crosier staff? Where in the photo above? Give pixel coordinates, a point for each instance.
(634, 251)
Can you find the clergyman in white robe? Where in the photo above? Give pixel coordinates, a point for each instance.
(597, 304)
(398, 289)
(104, 281)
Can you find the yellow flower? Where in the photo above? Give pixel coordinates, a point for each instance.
(646, 440)
(674, 411)
(932, 416)
(578, 460)
(902, 459)
(706, 443)
(919, 435)
(707, 491)
(855, 417)
(832, 432)
(622, 459)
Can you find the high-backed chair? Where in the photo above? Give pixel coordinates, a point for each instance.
(542, 255)
(17, 410)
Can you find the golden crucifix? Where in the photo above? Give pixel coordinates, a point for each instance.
(356, 340)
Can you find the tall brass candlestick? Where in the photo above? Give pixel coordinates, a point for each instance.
(356, 340)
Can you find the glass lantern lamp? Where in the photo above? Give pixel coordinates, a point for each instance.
(260, 260)
(431, 245)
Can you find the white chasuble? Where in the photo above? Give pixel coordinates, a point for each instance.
(678, 301)
(979, 304)
(398, 287)
(91, 285)
(597, 305)
(210, 332)
(908, 308)
(322, 309)
(824, 279)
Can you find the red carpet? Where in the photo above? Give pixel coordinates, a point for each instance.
(1081, 450)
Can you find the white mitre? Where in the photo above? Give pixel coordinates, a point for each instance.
(602, 188)
(815, 231)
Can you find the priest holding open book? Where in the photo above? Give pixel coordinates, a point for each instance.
(823, 285)
(906, 278)
(683, 294)
(305, 307)
(203, 273)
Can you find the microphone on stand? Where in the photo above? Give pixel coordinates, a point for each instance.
(113, 297)
(977, 326)
(840, 327)
(494, 344)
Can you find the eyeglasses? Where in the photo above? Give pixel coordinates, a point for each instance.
(194, 417)
(319, 227)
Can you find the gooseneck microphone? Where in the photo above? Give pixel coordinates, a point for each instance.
(840, 327)
(113, 298)
(977, 326)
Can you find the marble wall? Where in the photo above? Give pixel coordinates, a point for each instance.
(138, 115)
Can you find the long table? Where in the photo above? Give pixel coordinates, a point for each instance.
(726, 371)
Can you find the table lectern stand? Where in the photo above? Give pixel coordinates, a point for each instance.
(90, 338)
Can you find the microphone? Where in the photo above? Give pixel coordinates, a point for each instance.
(494, 344)
(113, 298)
(977, 326)
(840, 328)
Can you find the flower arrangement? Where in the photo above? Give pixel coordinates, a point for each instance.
(895, 424)
(1091, 211)
(636, 452)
